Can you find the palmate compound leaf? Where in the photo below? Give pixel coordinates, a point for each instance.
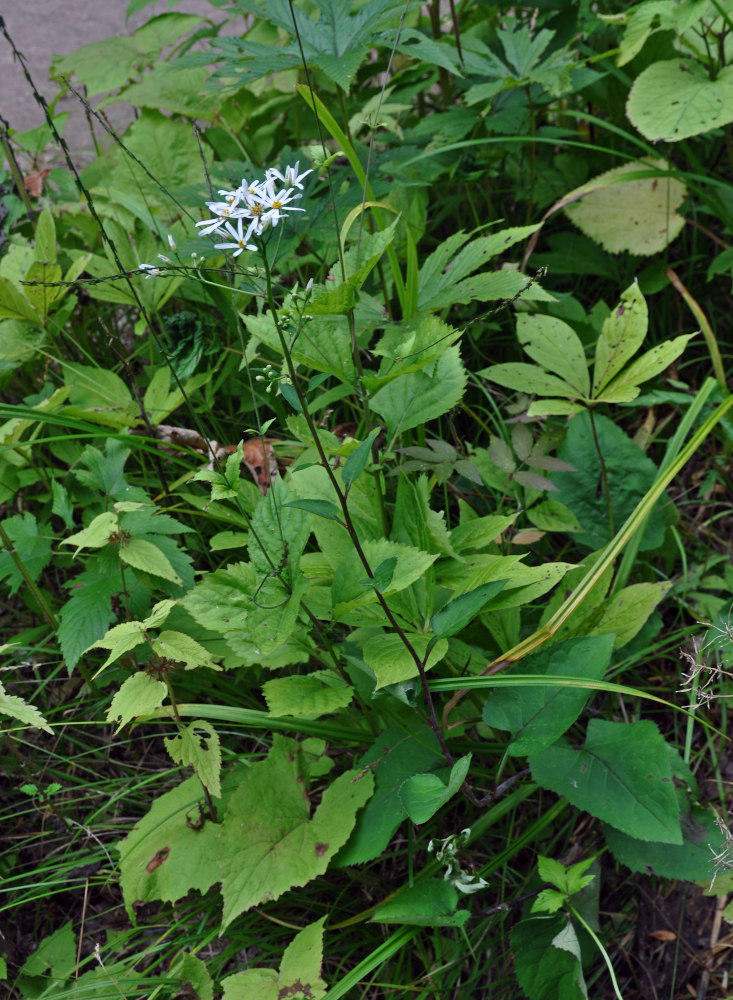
(622, 775)
(622, 335)
(299, 974)
(638, 215)
(270, 842)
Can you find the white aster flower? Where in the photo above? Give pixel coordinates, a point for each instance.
(291, 178)
(239, 236)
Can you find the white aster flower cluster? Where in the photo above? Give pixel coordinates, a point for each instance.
(252, 208)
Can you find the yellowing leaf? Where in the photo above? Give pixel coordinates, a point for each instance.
(638, 215)
(270, 842)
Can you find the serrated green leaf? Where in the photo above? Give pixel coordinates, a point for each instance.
(621, 775)
(335, 302)
(19, 709)
(309, 696)
(96, 534)
(299, 973)
(139, 695)
(172, 645)
(347, 589)
(40, 293)
(278, 534)
(145, 556)
(120, 639)
(269, 842)
(197, 746)
(416, 397)
(87, 614)
(155, 857)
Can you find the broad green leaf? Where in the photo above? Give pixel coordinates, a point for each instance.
(423, 794)
(630, 474)
(180, 89)
(96, 534)
(628, 610)
(19, 709)
(431, 903)
(638, 215)
(197, 746)
(676, 98)
(556, 347)
(391, 661)
(269, 840)
(358, 459)
(622, 335)
(416, 397)
(547, 959)
(621, 775)
(528, 378)
(55, 955)
(691, 861)
(145, 556)
(397, 754)
(139, 695)
(650, 364)
(299, 974)
(553, 407)
(307, 696)
(361, 258)
(14, 304)
(537, 716)
(155, 857)
(456, 614)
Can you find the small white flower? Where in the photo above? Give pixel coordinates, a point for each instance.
(239, 236)
(291, 178)
(150, 270)
(171, 242)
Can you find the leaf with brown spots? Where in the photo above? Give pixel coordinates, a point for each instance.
(299, 976)
(269, 842)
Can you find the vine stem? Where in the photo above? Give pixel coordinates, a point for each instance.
(341, 495)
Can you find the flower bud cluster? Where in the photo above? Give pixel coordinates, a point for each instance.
(253, 207)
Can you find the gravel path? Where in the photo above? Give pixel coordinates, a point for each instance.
(44, 28)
